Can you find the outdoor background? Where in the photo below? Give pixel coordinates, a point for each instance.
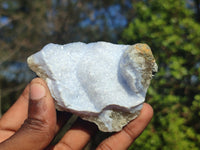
(170, 27)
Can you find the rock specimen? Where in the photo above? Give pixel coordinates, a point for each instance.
(101, 82)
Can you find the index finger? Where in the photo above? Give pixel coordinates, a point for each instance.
(12, 120)
(17, 113)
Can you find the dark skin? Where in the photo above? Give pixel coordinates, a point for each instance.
(32, 123)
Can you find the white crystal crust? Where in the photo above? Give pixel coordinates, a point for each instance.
(94, 79)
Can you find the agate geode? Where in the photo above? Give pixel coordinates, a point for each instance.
(101, 82)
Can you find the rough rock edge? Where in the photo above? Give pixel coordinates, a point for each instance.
(119, 120)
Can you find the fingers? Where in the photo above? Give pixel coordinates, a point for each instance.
(124, 138)
(40, 127)
(12, 120)
(77, 137)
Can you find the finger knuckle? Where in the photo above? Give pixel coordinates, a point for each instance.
(63, 146)
(129, 132)
(35, 124)
(104, 146)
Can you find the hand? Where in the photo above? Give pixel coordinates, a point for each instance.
(32, 123)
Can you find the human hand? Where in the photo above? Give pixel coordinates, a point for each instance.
(32, 123)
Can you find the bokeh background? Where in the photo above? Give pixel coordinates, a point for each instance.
(170, 27)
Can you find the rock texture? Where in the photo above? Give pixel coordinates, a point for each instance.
(101, 82)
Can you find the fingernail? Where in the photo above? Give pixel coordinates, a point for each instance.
(37, 91)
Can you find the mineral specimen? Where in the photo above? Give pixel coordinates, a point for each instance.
(101, 82)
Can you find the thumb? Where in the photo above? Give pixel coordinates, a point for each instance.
(39, 128)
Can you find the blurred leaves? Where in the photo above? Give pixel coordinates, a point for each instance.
(174, 36)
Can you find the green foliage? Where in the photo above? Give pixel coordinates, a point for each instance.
(174, 36)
